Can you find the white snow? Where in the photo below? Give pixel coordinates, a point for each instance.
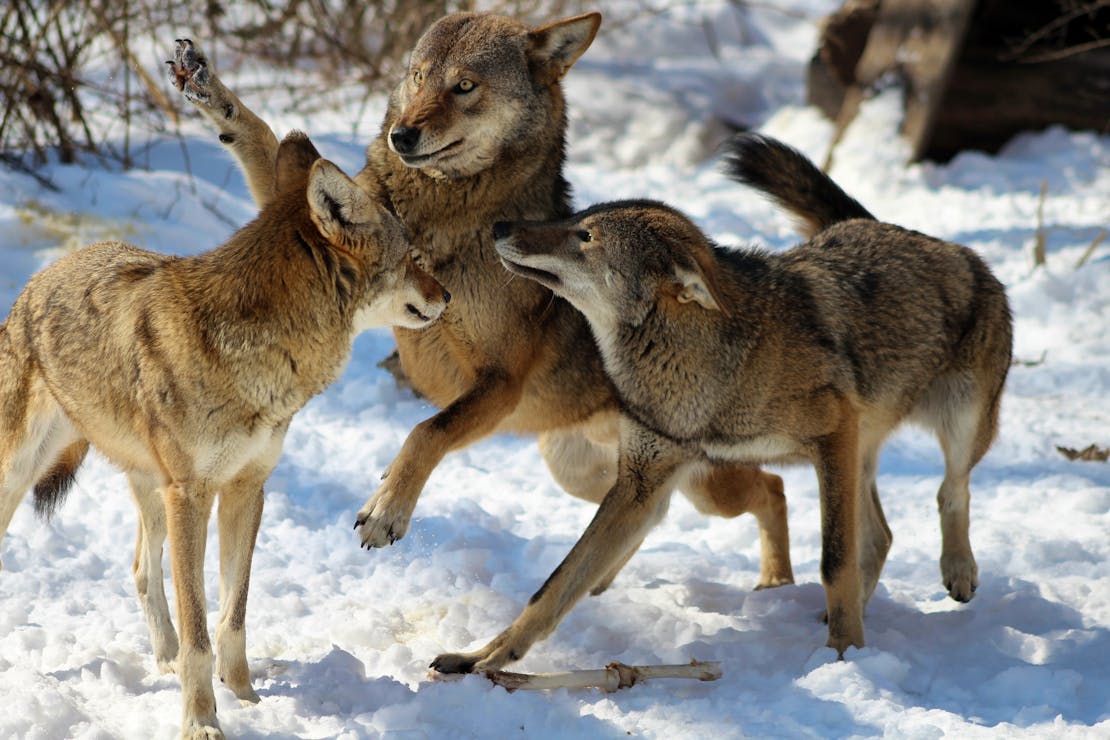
(339, 638)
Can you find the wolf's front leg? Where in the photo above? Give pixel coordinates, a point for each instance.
(239, 515)
(636, 503)
(244, 134)
(187, 511)
(838, 473)
(384, 519)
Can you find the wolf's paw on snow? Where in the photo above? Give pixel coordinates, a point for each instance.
(961, 576)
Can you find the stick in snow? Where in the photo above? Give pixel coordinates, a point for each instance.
(613, 677)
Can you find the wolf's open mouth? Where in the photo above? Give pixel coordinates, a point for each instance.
(415, 312)
(543, 277)
(416, 159)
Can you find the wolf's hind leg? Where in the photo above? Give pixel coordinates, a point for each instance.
(147, 568)
(729, 490)
(961, 421)
(249, 139)
(958, 569)
(875, 534)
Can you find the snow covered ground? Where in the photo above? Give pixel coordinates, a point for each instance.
(339, 639)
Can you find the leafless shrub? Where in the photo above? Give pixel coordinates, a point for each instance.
(71, 82)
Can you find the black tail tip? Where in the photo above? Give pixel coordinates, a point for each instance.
(748, 154)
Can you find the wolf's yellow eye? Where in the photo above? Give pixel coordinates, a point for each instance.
(465, 86)
(417, 77)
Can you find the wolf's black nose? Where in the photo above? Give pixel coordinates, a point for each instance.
(502, 229)
(404, 139)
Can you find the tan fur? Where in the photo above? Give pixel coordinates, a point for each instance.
(185, 372)
(814, 354)
(508, 356)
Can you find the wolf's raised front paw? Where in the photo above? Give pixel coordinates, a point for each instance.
(383, 520)
(189, 72)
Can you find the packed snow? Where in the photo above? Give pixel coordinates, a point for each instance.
(339, 639)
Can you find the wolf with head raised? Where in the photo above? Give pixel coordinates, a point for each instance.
(815, 354)
(475, 134)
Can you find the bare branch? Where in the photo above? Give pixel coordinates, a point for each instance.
(1071, 51)
(1055, 24)
(613, 677)
(1091, 249)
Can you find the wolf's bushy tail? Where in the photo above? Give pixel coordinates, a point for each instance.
(788, 177)
(51, 489)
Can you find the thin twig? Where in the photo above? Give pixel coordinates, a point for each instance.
(1040, 239)
(1090, 453)
(157, 95)
(1053, 56)
(1055, 23)
(1090, 250)
(1030, 363)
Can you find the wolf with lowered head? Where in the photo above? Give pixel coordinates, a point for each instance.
(815, 354)
(186, 371)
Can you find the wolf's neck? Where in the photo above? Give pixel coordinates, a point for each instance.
(514, 187)
(672, 372)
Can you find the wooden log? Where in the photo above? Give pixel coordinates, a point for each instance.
(988, 100)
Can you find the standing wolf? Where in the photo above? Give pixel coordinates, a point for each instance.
(474, 135)
(815, 354)
(186, 371)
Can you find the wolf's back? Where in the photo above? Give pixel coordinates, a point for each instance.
(788, 177)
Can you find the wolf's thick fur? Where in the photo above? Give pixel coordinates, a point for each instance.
(185, 372)
(814, 354)
(475, 135)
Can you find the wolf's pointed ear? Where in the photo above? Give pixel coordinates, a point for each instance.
(295, 156)
(697, 283)
(335, 201)
(555, 47)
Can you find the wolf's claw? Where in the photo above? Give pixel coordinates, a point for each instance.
(380, 525)
(189, 72)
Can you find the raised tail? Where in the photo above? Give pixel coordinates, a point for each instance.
(788, 177)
